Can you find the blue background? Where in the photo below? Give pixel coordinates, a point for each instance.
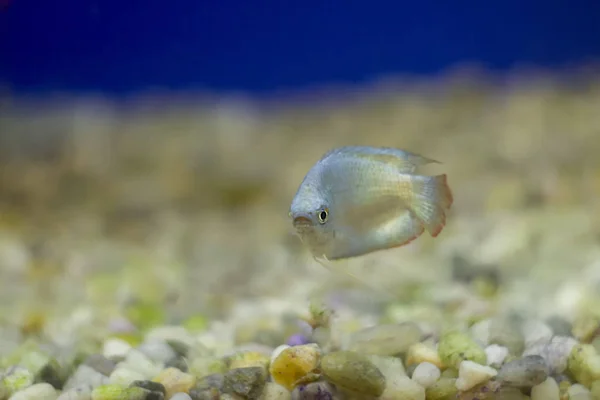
(122, 46)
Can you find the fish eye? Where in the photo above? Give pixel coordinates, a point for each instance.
(323, 214)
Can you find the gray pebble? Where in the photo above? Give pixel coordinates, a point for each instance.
(157, 350)
(555, 353)
(559, 326)
(85, 376)
(524, 373)
(151, 386)
(101, 364)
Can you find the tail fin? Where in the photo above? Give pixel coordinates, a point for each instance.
(431, 199)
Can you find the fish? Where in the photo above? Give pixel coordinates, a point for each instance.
(358, 200)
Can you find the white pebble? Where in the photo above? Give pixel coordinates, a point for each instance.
(273, 391)
(80, 393)
(124, 376)
(426, 374)
(181, 396)
(85, 376)
(471, 374)
(403, 388)
(39, 391)
(496, 355)
(579, 392)
(555, 353)
(115, 348)
(480, 332)
(137, 361)
(157, 350)
(547, 390)
(536, 333)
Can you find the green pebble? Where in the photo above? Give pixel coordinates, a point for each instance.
(354, 372)
(196, 323)
(455, 347)
(450, 373)
(205, 366)
(584, 364)
(246, 382)
(595, 389)
(18, 379)
(443, 389)
(117, 392)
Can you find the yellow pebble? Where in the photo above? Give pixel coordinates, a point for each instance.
(419, 353)
(175, 381)
(294, 364)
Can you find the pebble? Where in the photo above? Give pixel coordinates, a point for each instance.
(507, 332)
(39, 391)
(555, 353)
(547, 390)
(536, 333)
(455, 347)
(175, 381)
(354, 372)
(151, 386)
(595, 389)
(85, 376)
(138, 361)
(579, 392)
(273, 391)
(480, 331)
(181, 396)
(403, 387)
(157, 350)
(17, 378)
(385, 340)
(443, 389)
(291, 365)
(420, 352)
(584, 364)
(124, 376)
(116, 392)
(115, 348)
(524, 372)
(81, 393)
(471, 374)
(426, 374)
(495, 355)
(314, 391)
(245, 382)
(101, 364)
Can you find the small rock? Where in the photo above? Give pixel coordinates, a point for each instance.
(314, 391)
(595, 390)
(443, 389)
(151, 386)
(85, 376)
(524, 372)
(273, 391)
(116, 392)
(480, 331)
(39, 391)
(559, 326)
(81, 393)
(175, 381)
(402, 387)
(354, 372)
(249, 359)
(181, 396)
(584, 364)
(393, 371)
(385, 340)
(101, 364)
(579, 392)
(556, 353)
(291, 365)
(420, 352)
(115, 348)
(471, 374)
(204, 366)
(426, 374)
(208, 387)
(536, 333)
(124, 376)
(455, 347)
(16, 379)
(137, 361)
(245, 382)
(157, 350)
(547, 390)
(496, 355)
(507, 332)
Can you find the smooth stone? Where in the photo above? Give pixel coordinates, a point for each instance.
(124, 376)
(524, 372)
(536, 332)
(555, 353)
(403, 387)
(496, 355)
(385, 340)
(101, 364)
(115, 348)
(426, 374)
(138, 361)
(354, 372)
(85, 376)
(547, 390)
(157, 350)
(471, 374)
(39, 391)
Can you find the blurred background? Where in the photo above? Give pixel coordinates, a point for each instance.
(149, 152)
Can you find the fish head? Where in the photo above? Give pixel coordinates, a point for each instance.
(311, 217)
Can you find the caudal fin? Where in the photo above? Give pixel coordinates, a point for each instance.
(431, 199)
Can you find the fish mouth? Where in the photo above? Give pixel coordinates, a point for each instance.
(302, 221)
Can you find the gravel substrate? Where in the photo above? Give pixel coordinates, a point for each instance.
(137, 265)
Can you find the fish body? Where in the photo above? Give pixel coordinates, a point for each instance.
(356, 200)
